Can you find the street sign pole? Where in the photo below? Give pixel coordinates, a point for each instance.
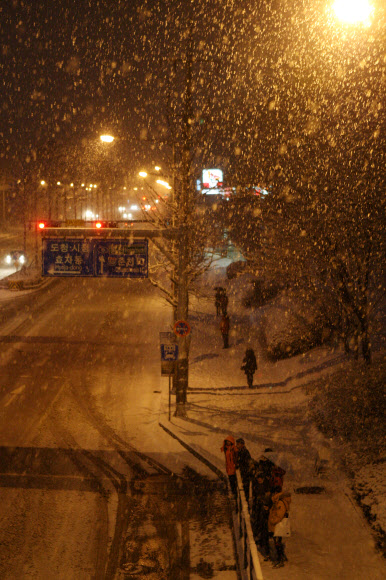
(170, 395)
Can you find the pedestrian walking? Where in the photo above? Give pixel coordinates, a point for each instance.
(243, 462)
(217, 299)
(224, 327)
(280, 509)
(224, 302)
(230, 451)
(249, 366)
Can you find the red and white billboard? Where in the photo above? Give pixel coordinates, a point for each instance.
(212, 180)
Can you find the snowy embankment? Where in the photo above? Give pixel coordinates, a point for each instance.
(366, 472)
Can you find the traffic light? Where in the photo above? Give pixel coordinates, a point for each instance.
(42, 224)
(101, 224)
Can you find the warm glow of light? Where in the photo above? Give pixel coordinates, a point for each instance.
(164, 183)
(98, 225)
(42, 182)
(71, 185)
(42, 225)
(142, 174)
(58, 183)
(107, 138)
(157, 168)
(353, 11)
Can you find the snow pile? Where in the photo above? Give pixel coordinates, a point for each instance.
(290, 327)
(370, 491)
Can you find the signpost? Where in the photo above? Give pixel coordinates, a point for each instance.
(181, 328)
(121, 258)
(113, 258)
(67, 257)
(169, 354)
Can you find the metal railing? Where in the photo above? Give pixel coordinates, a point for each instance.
(250, 556)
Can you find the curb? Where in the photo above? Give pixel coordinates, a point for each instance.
(195, 453)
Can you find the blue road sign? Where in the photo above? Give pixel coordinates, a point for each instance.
(169, 352)
(121, 258)
(67, 257)
(116, 258)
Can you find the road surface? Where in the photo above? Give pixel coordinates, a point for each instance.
(80, 375)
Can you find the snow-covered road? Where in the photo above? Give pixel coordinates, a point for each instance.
(80, 389)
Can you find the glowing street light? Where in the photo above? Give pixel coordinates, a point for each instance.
(353, 11)
(142, 174)
(164, 183)
(107, 138)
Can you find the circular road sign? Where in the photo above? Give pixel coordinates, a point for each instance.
(181, 328)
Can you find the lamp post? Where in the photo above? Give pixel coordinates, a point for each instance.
(353, 11)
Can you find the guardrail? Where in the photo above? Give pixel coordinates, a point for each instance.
(251, 562)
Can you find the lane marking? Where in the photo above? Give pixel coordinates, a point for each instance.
(15, 393)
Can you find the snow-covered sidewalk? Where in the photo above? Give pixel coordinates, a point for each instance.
(331, 537)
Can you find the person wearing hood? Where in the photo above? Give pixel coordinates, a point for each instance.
(230, 451)
(280, 508)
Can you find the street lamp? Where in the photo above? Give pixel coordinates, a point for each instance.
(353, 11)
(107, 138)
(164, 183)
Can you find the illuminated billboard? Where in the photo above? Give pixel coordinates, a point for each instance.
(212, 180)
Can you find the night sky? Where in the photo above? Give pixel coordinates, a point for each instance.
(71, 69)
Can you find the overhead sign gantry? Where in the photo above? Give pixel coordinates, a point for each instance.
(100, 250)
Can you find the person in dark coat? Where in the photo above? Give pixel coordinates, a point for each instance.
(224, 303)
(261, 504)
(224, 327)
(244, 459)
(249, 365)
(231, 458)
(217, 299)
(273, 472)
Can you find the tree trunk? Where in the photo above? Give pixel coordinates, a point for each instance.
(365, 340)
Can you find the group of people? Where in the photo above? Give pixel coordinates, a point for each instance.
(263, 487)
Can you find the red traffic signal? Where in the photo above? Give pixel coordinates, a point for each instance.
(42, 224)
(100, 224)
